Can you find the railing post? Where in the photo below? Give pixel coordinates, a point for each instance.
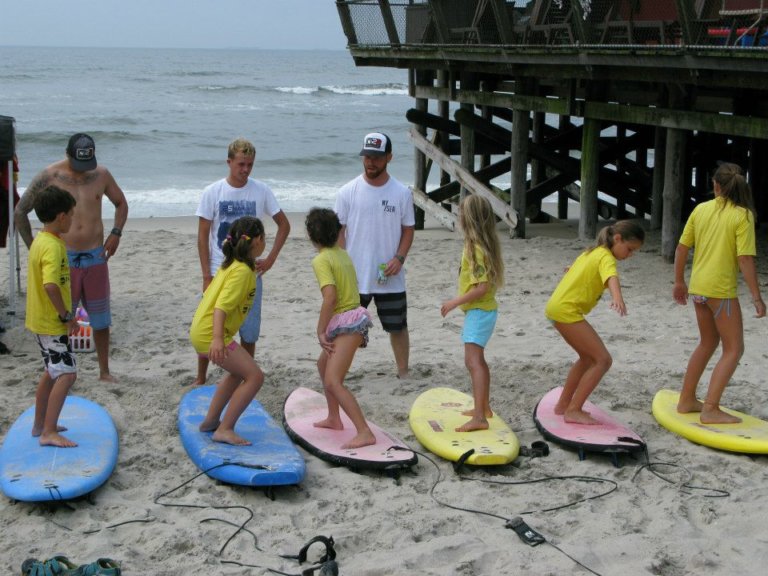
(389, 22)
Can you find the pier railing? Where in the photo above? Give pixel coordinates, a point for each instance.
(609, 24)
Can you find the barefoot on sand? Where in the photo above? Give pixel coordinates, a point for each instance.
(56, 439)
(363, 439)
(473, 425)
(229, 437)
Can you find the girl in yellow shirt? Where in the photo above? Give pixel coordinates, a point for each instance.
(222, 310)
(722, 232)
(575, 296)
(481, 273)
(342, 326)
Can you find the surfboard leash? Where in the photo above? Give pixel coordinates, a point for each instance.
(525, 532)
(683, 485)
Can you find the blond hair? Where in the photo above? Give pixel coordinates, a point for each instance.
(479, 224)
(241, 145)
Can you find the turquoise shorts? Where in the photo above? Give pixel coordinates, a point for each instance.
(478, 326)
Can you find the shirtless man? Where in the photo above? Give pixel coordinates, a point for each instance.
(87, 250)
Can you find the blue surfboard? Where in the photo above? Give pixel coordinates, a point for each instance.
(33, 473)
(270, 460)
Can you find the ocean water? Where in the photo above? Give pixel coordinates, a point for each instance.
(162, 118)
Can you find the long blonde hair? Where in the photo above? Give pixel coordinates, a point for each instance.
(479, 224)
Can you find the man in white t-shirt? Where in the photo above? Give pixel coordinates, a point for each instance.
(376, 213)
(222, 203)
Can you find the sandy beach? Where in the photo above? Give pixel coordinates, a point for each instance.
(382, 526)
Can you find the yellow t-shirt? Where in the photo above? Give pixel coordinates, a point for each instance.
(719, 232)
(48, 264)
(469, 278)
(334, 267)
(582, 286)
(231, 290)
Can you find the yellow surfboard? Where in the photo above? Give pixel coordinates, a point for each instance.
(437, 413)
(750, 436)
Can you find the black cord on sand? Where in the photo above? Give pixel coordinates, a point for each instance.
(240, 527)
(683, 485)
(508, 520)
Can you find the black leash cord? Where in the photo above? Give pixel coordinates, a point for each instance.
(684, 486)
(484, 513)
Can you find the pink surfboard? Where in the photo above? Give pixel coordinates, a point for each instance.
(609, 436)
(303, 407)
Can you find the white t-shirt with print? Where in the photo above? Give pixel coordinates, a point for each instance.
(222, 204)
(374, 217)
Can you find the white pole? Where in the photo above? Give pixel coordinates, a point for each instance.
(12, 246)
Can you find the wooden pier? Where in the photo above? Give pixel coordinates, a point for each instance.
(625, 106)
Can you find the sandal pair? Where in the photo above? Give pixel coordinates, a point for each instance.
(57, 566)
(61, 566)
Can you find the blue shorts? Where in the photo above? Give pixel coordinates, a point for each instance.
(89, 276)
(251, 326)
(478, 326)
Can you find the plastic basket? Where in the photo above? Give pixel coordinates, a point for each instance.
(83, 340)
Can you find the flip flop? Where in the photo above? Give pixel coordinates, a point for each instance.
(102, 567)
(57, 566)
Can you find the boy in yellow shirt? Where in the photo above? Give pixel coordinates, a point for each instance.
(49, 313)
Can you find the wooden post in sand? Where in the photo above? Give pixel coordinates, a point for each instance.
(590, 167)
(674, 187)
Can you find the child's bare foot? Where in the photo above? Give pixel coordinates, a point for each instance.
(717, 416)
(199, 380)
(229, 437)
(473, 425)
(331, 423)
(37, 431)
(579, 417)
(362, 439)
(686, 407)
(107, 377)
(562, 406)
(56, 439)
(209, 426)
(470, 413)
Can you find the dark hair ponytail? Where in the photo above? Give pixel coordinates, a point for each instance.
(734, 186)
(237, 244)
(626, 229)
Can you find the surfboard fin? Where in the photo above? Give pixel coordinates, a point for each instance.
(525, 532)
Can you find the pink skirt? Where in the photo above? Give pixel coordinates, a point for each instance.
(357, 320)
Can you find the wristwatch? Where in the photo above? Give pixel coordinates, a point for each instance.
(401, 259)
(66, 317)
(116, 232)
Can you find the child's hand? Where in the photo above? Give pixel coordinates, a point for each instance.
(619, 306)
(73, 328)
(447, 306)
(759, 308)
(680, 293)
(325, 344)
(217, 353)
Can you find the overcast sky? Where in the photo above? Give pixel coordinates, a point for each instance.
(283, 24)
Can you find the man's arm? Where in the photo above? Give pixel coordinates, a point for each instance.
(203, 249)
(283, 229)
(406, 239)
(26, 205)
(343, 238)
(116, 196)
